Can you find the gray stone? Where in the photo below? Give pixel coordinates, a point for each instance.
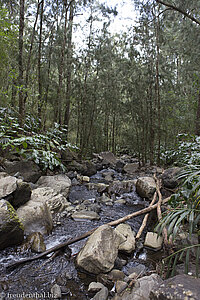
(8, 185)
(108, 158)
(100, 251)
(11, 228)
(169, 177)
(121, 286)
(26, 169)
(55, 201)
(145, 187)
(127, 236)
(142, 289)
(180, 287)
(36, 217)
(85, 214)
(95, 286)
(101, 295)
(21, 195)
(153, 241)
(35, 242)
(119, 187)
(100, 187)
(60, 183)
(56, 291)
(131, 168)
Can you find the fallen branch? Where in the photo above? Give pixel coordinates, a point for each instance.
(144, 222)
(86, 234)
(159, 213)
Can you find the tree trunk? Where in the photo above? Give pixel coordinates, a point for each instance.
(197, 130)
(39, 65)
(69, 66)
(20, 65)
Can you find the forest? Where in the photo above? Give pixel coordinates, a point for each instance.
(99, 121)
(135, 91)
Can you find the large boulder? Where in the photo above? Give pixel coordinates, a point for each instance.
(36, 216)
(169, 177)
(145, 187)
(108, 158)
(21, 195)
(11, 228)
(28, 170)
(127, 236)
(60, 183)
(45, 195)
(142, 289)
(131, 168)
(8, 185)
(119, 187)
(100, 251)
(180, 287)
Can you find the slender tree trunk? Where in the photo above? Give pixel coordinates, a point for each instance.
(39, 65)
(197, 130)
(20, 65)
(30, 51)
(158, 89)
(69, 65)
(58, 117)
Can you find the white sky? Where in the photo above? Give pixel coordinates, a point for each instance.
(126, 14)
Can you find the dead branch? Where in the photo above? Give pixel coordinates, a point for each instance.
(83, 236)
(146, 217)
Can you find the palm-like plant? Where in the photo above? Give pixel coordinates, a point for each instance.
(185, 208)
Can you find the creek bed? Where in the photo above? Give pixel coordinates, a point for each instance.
(37, 278)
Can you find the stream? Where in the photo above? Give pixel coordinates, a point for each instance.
(35, 279)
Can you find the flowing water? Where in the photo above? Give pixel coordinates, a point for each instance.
(35, 279)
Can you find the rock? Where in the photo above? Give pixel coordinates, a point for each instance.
(60, 183)
(21, 195)
(142, 288)
(27, 169)
(134, 267)
(169, 178)
(121, 201)
(3, 175)
(36, 216)
(95, 286)
(11, 228)
(119, 187)
(101, 295)
(55, 201)
(68, 155)
(120, 164)
(35, 242)
(8, 185)
(86, 179)
(154, 241)
(145, 187)
(180, 287)
(120, 286)
(100, 251)
(100, 187)
(90, 168)
(78, 167)
(104, 199)
(84, 214)
(116, 275)
(108, 158)
(131, 168)
(56, 291)
(128, 239)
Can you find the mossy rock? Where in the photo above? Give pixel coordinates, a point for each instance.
(11, 228)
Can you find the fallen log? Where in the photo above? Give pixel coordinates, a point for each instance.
(83, 236)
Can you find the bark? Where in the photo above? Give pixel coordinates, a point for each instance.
(180, 11)
(39, 65)
(69, 66)
(30, 51)
(20, 66)
(197, 130)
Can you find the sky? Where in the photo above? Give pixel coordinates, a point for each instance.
(126, 14)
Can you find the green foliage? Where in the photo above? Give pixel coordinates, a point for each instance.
(185, 209)
(185, 152)
(43, 149)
